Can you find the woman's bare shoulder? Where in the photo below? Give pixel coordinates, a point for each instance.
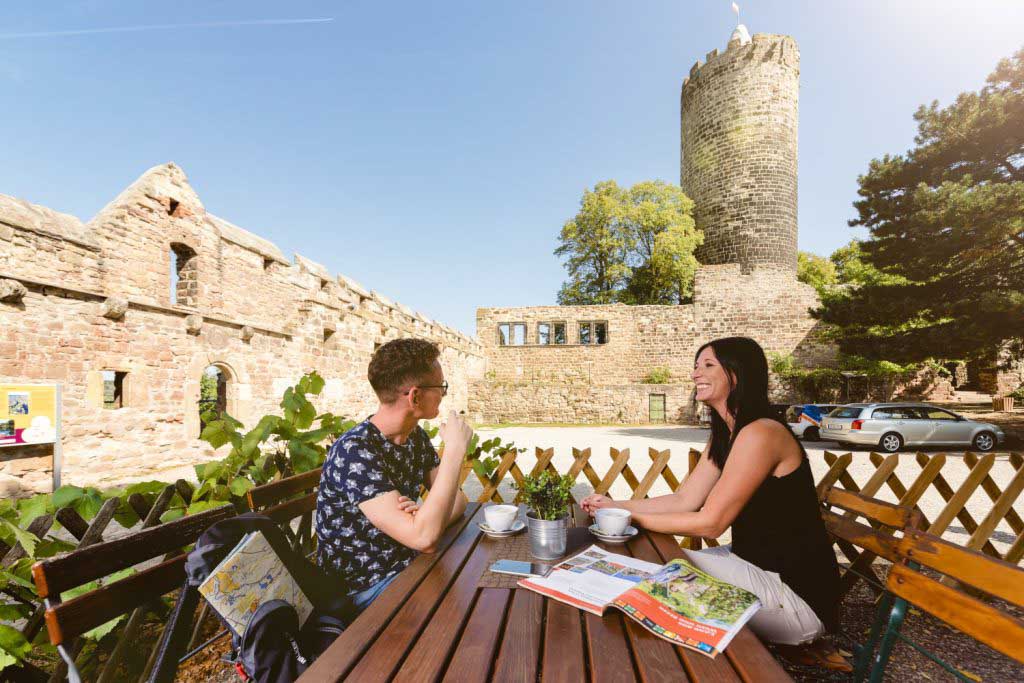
(763, 428)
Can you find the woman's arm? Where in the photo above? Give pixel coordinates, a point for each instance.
(754, 455)
(690, 496)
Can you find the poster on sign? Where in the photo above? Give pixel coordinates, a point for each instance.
(28, 414)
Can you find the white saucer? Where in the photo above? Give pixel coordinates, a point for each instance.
(630, 533)
(516, 527)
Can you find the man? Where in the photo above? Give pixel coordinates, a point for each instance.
(368, 523)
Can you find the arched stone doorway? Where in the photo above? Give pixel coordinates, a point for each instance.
(213, 393)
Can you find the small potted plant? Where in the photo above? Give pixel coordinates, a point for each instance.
(548, 496)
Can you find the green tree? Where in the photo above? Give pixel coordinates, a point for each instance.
(814, 270)
(596, 246)
(946, 223)
(630, 245)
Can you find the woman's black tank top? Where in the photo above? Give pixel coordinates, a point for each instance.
(780, 530)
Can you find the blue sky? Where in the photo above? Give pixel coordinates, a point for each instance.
(432, 151)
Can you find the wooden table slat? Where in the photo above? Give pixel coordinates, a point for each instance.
(698, 666)
(380, 661)
(333, 664)
(753, 662)
(607, 649)
(480, 638)
(564, 658)
(520, 647)
(429, 656)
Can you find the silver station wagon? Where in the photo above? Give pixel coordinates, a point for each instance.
(891, 426)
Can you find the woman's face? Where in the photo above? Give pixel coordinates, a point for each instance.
(711, 379)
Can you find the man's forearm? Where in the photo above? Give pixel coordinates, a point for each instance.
(435, 513)
(458, 506)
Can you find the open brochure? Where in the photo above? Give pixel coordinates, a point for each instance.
(676, 600)
(248, 576)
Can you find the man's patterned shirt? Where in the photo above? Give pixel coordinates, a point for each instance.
(362, 465)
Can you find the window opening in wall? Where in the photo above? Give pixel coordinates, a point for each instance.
(268, 263)
(113, 389)
(172, 206)
(543, 333)
(213, 394)
(559, 329)
(585, 333)
(184, 275)
(601, 333)
(503, 334)
(518, 334)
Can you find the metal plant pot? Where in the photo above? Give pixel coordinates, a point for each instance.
(547, 538)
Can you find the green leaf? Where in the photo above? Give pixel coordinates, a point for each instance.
(52, 546)
(306, 415)
(14, 611)
(314, 383)
(304, 457)
(240, 486)
(66, 495)
(172, 514)
(144, 487)
(203, 505)
(125, 514)
(30, 508)
(24, 538)
(103, 629)
(204, 489)
(13, 643)
(215, 434)
(88, 504)
(24, 583)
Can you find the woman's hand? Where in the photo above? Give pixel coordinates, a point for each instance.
(595, 502)
(408, 505)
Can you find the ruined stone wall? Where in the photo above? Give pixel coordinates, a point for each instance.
(605, 382)
(739, 152)
(97, 297)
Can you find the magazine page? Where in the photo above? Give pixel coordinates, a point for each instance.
(592, 579)
(684, 605)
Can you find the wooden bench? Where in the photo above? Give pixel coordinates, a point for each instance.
(861, 543)
(971, 615)
(66, 621)
(285, 500)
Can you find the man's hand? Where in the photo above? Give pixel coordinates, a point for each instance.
(456, 435)
(408, 505)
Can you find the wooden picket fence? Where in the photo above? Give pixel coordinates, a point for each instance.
(884, 475)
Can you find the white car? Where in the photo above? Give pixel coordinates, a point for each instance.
(805, 420)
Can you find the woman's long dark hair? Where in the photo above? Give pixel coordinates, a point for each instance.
(745, 364)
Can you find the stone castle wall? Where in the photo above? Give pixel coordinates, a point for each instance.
(739, 152)
(588, 383)
(96, 297)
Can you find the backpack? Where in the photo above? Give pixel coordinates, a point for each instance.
(273, 648)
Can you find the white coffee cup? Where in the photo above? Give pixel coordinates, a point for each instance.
(500, 517)
(612, 521)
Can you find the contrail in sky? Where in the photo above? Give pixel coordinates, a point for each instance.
(162, 27)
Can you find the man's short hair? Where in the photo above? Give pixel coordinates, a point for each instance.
(399, 362)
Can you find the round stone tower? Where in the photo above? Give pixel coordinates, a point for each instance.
(739, 151)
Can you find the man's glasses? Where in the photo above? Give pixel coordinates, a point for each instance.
(443, 387)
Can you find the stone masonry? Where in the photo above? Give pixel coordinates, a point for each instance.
(96, 297)
(738, 121)
(739, 151)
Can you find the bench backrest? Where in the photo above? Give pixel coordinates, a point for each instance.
(883, 519)
(67, 620)
(977, 618)
(287, 499)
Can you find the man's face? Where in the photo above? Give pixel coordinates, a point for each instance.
(430, 393)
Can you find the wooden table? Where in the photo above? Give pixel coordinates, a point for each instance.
(433, 623)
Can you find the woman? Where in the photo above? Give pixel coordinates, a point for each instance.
(753, 475)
